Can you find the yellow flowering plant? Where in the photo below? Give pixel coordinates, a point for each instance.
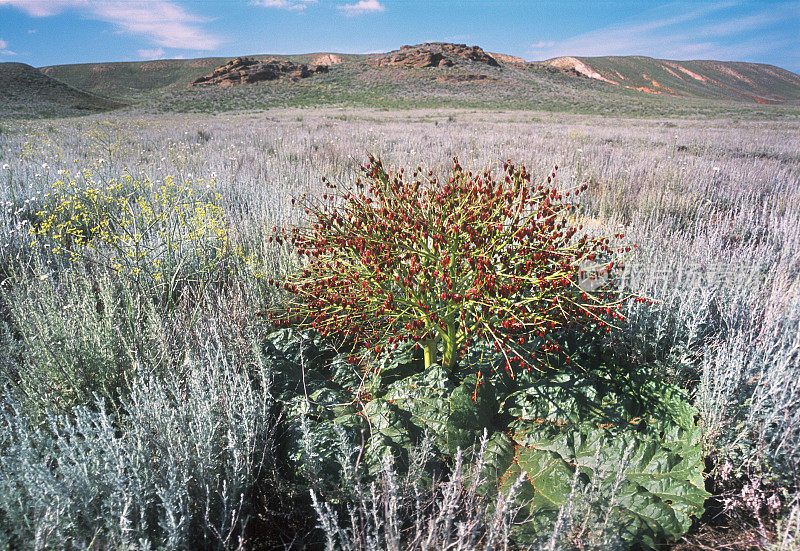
(163, 234)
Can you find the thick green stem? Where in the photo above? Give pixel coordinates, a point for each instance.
(430, 348)
(449, 350)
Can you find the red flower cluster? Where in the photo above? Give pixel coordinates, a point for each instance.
(398, 259)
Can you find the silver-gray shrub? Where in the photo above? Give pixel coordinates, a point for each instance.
(457, 510)
(182, 464)
(73, 333)
(416, 511)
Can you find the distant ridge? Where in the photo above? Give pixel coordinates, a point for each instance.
(439, 74)
(26, 91)
(738, 81)
(741, 81)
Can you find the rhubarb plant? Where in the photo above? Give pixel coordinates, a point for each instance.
(482, 275)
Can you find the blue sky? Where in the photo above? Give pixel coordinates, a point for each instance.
(48, 32)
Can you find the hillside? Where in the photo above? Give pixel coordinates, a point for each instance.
(132, 80)
(457, 75)
(27, 92)
(748, 82)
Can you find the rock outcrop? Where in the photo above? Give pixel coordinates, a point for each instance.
(435, 54)
(328, 59)
(509, 59)
(245, 70)
(578, 67)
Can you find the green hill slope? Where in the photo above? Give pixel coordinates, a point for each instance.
(27, 92)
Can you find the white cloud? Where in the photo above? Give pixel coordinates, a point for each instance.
(742, 24)
(156, 53)
(32, 31)
(44, 8)
(163, 22)
(292, 5)
(710, 31)
(362, 6)
(3, 50)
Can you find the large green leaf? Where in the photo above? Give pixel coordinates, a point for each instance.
(426, 396)
(390, 432)
(653, 469)
(497, 459)
(472, 410)
(547, 474)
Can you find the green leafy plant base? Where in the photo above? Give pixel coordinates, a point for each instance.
(636, 441)
(651, 469)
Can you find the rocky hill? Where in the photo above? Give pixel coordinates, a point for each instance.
(438, 74)
(134, 81)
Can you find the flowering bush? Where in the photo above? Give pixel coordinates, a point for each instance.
(474, 258)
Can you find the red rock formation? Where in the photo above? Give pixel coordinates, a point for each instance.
(509, 59)
(435, 54)
(327, 59)
(245, 70)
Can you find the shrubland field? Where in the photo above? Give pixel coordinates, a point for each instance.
(148, 401)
